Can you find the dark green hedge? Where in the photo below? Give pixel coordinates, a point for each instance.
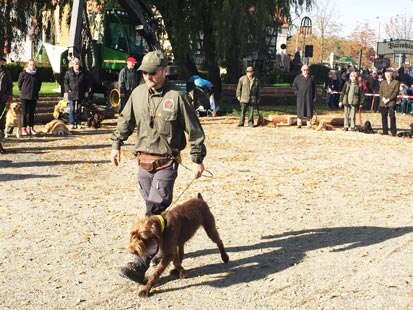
(283, 77)
(46, 72)
(320, 73)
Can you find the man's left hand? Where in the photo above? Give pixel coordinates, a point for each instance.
(199, 169)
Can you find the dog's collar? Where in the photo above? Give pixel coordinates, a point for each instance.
(162, 221)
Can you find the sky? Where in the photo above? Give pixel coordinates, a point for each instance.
(349, 12)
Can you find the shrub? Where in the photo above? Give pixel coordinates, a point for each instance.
(320, 73)
(45, 71)
(283, 77)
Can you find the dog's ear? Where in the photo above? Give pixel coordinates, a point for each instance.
(134, 234)
(200, 196)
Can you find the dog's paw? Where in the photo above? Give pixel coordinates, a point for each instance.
(179, 273)
(143, 293)
(174, 272)
(225, 258)
(182, 274)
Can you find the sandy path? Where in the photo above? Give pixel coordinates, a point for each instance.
(311, 220)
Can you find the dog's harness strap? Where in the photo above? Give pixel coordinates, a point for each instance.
(162, 221)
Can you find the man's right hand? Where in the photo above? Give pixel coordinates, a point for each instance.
(115, 157)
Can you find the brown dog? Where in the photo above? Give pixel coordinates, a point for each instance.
(170, 231)
(14, 119)
(56, 127)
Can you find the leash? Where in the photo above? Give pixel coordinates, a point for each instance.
(187, 186)
(4, 111)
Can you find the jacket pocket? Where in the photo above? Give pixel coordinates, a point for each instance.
(165, 123)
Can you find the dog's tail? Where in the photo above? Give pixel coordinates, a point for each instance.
(200, 196)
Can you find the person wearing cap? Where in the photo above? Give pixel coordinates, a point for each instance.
(304, 88)
(6, 92)
(161, 113)
(248, 94)
(389, 89)
(128, 80)
(29, 84)
(76, 82)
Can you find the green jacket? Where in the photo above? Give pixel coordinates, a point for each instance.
(247, 94)
(389, 91)
(164, 132)
(358, 91)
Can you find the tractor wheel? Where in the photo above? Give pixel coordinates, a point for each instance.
(114, 96)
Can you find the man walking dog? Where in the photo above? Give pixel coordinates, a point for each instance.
(162, 114)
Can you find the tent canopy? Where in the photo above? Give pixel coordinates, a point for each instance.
(346, 60)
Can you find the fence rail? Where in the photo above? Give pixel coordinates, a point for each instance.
(228, 91)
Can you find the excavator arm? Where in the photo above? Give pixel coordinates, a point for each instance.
(136, 9)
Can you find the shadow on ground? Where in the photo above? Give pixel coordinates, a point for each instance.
(43, 163)
(13, 176)
(285, 250)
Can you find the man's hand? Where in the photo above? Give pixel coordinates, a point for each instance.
(115, 157)
(199, 169)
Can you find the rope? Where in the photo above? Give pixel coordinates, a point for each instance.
(187, 186)
(376, 95)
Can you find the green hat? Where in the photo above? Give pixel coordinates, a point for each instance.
(152, 61)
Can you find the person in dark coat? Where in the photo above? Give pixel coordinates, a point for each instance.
(304, 88)
(389, 89)
(29, 83)
(373, 87)
(128, 80)
(6, 92)
(332, 86)
(77, 88)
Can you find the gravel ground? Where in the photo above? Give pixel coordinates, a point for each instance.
(310, 220)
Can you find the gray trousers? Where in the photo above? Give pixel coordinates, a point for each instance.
(157, 190)
(350, 116)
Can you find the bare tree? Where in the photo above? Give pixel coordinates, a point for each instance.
(364, 40)
(400, 27)
(326, 22)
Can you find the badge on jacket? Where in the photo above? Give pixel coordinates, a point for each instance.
(168, 105)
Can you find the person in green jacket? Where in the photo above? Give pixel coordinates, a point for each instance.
(161, 114)
(248, 94)
(350, 98)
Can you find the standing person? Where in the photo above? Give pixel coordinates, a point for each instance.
(29, 83)
(403, 91)
(128, 80)
(162, 114)
(77, 88)
(6, 92)
(248, 94)
(373, 87)
(342, 80)
(351, 99)
(304, 89)
(389, 89)
(332, 86)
